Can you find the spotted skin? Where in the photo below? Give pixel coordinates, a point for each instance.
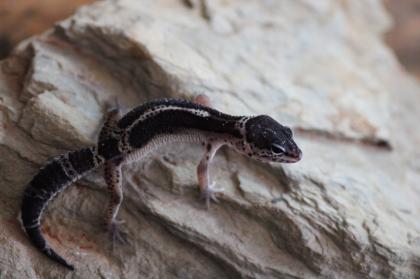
(109, 128)
(138, 133)
(113, 179)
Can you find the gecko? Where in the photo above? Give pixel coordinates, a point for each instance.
(128, 138)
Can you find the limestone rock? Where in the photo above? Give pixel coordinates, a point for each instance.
(349, 209)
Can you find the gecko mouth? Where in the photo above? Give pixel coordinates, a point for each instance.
(293, 157)
(290, 160)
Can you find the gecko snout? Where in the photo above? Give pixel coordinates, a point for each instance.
(294, 155)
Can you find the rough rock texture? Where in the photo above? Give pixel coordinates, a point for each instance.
(404, 37)
(349, 209)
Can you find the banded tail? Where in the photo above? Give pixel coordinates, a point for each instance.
(59, 173)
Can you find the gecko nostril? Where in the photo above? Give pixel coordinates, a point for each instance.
(298, 154)
(295, 154)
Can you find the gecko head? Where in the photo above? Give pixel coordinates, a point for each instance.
(267, 140)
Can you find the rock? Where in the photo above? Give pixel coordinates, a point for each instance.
(349, 209)
(404, 37)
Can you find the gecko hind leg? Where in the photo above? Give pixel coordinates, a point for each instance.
(114, 182)
(110, 124)
(113, 179)
(203, 100)
(117, 235)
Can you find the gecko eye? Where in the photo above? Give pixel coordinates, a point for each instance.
(277, 149)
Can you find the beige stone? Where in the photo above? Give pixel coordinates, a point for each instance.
(349, 209)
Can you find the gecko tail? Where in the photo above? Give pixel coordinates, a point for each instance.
(38, 240)
(59, 173)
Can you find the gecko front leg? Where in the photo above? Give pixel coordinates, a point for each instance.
(207, 189)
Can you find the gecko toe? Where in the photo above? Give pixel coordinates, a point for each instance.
(209, 194)
(117, 235)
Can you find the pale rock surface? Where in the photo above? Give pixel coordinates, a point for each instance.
(349, 209)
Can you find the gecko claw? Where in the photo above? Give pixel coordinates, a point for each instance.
(117, 235)
(209, 194)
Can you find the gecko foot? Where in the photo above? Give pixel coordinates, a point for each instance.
(117, 235)
(209, 194)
